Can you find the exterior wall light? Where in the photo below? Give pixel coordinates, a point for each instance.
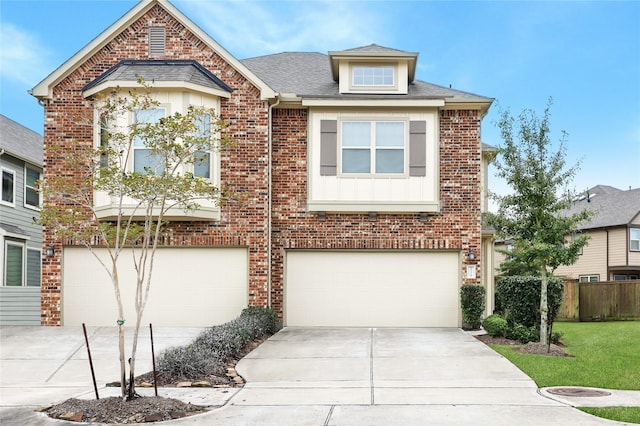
(472, 255)
(50, 250)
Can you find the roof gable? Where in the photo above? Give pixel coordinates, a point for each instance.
(44, 88)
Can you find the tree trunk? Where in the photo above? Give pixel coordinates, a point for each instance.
(544, 308)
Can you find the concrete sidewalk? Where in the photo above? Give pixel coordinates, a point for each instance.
(313, 376)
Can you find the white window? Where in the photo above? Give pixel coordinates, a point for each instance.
(144, 160)
(589, 278)
(202, 160)
(31, 194)
(8, 187)
(373, 76)
(373, 147)
(21, 265)
(634, 239)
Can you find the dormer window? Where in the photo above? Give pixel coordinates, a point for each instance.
(364, 76)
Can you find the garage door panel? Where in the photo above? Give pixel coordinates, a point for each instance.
(372, 289)
(190, 287)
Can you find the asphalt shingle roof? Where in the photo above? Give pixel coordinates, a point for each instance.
(161, 70)
(20, 141)
(611, 206)
(308, 74)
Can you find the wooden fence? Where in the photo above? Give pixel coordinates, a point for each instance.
(601, 301)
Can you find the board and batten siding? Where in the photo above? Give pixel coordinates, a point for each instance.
(414, 190)
(19, 305)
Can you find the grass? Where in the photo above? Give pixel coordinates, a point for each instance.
(621, 414)
(605, 355)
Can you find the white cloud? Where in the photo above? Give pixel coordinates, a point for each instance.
(22, 57)
(252, 28)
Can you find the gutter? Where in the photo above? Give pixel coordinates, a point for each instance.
(269, 190)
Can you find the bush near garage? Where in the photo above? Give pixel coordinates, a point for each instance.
(472, 302)
(519, 301)
(495, 325)
(210, 353)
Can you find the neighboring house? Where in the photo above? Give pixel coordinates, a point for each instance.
(20, 235)
(365, 186)
(613, 250)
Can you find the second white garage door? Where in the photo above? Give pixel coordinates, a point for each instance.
(194, 287)
(372, 289)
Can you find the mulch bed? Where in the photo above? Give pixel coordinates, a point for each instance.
(536, 348)
(145, 409)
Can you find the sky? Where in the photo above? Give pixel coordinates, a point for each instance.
(585, 55)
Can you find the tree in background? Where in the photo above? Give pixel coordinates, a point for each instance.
(533, 213)
(175, 146)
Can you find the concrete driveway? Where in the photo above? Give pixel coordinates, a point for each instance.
(306, 376)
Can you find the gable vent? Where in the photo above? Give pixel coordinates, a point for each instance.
(157, 41)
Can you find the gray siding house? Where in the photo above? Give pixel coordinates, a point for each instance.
(21, 163)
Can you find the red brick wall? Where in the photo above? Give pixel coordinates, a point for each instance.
(243, 167)
(455, 227)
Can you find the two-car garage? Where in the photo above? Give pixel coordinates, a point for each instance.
(208, 286)
(372, 288)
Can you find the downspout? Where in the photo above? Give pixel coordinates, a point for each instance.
(269, 187)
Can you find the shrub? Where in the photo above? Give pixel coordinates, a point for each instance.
(495, 325)
(472, 301)
(211, 351)
(519, 298)
(522, 333)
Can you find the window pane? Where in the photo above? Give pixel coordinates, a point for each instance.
(32, 197)
(373, 76)
(634, 239)
(13, 265)
(390, 161)
(390, 133)
(33, 268)
(7, 187)
(145, 161)
(202, 165)
(147, 116)
(356, 161)
(356, 133)
(32, 177)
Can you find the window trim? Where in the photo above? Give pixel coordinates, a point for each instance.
(631, 239)
(387, 88)
(11, 203)
(373, 148)
(588, 278)
(28, 167)
(23, 246)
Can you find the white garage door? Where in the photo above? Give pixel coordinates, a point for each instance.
(372, 289)
(196, 287)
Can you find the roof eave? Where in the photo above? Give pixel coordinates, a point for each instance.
(168, 84)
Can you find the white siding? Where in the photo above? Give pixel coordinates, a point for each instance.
(369, 193)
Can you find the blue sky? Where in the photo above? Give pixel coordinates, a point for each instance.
(584, 54)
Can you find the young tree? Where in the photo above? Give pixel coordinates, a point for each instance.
(533, 214)
(175, 146)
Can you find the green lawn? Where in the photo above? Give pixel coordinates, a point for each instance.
(605, 355)
(620, 414)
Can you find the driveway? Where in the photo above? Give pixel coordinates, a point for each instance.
(300, 376)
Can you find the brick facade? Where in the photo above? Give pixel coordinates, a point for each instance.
(244, 169)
